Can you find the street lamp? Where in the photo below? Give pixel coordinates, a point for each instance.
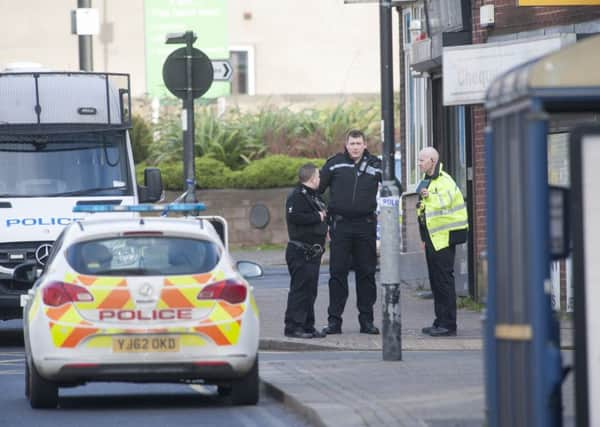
(187, 120)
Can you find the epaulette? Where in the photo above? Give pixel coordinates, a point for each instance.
(331, 157)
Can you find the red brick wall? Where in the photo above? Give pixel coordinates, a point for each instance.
(511, 18)
(478, 122)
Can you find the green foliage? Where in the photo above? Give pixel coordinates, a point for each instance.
(212, 173)
(468, 303)
(261, 149)
(270, 172)
(237, 138)
(141, 138)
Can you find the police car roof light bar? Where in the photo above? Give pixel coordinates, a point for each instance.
(172, 207)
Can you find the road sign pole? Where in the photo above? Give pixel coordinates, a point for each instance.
(188, 74)
(390, 230)
(189, 171)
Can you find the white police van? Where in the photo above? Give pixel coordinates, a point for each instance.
(63, 143)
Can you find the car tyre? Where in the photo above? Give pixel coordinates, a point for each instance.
(245, 390)
(27, 381)
(43, 394)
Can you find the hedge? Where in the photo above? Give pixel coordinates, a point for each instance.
(269, 172)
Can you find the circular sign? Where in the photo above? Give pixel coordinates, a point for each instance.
(175, 73)
(259, 216)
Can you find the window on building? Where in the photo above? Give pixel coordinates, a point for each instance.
(242, 61)
(417, 108)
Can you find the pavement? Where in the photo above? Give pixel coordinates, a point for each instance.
(437, 382)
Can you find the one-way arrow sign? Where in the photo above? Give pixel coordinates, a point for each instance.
(222, 70)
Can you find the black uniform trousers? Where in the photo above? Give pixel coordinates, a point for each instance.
(441, 278)
(300, 311)
(353, 244)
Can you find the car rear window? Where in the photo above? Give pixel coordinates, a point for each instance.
(143, 256)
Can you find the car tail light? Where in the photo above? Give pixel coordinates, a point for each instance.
(58, 293)
(228, 290)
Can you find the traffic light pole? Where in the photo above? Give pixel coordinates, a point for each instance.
(389, 196)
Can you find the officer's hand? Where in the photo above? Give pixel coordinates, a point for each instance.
(323, 215)
(424, 193)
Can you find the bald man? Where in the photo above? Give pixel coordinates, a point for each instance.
(443, 224)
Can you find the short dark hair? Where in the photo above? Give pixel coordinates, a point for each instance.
(306, 172)
(355, 133)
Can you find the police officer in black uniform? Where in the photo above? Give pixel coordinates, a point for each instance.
(306, 221)
(353, 179)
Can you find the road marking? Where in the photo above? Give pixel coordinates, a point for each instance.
(11, 361)
(11, 372)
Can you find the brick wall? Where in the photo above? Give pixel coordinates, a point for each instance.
(235, 206)
(511, 18)
(478, 123)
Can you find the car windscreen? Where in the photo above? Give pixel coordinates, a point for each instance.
(143, 256)
(67, 164)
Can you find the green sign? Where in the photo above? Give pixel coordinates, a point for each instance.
(207, 18)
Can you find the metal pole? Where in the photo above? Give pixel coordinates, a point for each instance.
(86, 62)
(189, 171)
(390, 197)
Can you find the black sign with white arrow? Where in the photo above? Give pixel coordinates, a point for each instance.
(222, 70)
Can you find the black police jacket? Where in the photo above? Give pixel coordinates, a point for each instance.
(302, 216)
(352, 186)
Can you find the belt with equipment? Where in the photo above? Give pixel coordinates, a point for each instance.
(310, 251)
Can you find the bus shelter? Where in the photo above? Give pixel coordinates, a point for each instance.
(528, 227)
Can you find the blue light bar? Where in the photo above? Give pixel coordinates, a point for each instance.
(173, 207)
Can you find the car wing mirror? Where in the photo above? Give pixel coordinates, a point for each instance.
(249, 269)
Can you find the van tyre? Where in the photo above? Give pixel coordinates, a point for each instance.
(43, 394)
(245, 390)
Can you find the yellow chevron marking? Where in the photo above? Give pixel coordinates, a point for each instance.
(34, 308)
(193, 341)
(102, 341)
(254, 306)
(182, 280)
(60, 333)
(223, 320)
(71, 316)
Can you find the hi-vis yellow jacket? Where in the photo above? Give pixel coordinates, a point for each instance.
(444, 210)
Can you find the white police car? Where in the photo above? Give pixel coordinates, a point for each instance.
(150, 299)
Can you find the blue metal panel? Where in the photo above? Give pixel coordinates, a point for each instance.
(490, 312)
(536, 167)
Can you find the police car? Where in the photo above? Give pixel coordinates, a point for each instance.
(148, 299)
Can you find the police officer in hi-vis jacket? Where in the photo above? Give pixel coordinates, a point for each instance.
(442, 215)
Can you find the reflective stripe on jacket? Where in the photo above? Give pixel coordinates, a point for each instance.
(444, 210)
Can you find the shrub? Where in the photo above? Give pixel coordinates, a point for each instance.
(141, 138)
(270, 172)
(236, 138)
(212, 173)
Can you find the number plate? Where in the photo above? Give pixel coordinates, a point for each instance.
(146, 344)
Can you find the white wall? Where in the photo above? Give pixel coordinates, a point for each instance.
(40, 31)
(310, 46)
(301, 46)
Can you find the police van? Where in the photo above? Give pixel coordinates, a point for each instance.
(63, 142)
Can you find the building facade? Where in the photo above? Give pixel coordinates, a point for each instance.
(276, 46)
(456, 71)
